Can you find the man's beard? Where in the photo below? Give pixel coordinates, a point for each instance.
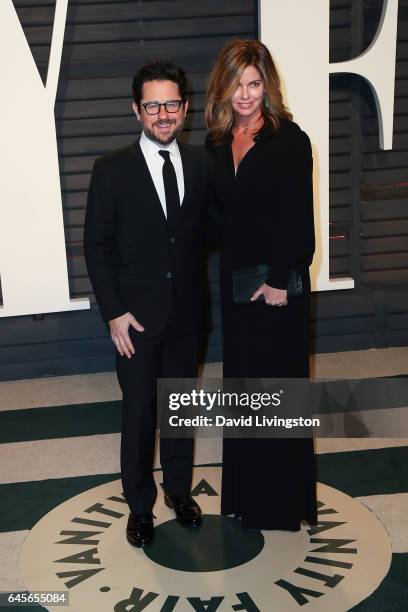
(166, 139)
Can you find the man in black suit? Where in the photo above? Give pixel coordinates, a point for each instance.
(144, 230)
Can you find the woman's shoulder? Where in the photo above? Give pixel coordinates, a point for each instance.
(212, 146)
(209, 145)
(292, 137)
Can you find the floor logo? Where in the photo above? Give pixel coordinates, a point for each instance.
(80, 547)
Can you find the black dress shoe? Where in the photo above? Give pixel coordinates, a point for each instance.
(139, 530)
(187, 510)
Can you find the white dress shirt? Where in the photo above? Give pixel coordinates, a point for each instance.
(150, 150)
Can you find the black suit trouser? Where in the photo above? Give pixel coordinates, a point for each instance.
(172, 354)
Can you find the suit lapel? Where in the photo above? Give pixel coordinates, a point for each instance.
(188, 175)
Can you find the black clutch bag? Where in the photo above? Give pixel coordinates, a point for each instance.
(247, 280)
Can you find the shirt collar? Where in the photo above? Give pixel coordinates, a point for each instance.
(151, 148)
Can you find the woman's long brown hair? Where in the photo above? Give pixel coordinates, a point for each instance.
(224, 80)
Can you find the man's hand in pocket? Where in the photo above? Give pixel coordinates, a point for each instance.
(119, 329)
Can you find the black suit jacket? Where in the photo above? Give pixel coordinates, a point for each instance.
(133, 261)
(266, 211)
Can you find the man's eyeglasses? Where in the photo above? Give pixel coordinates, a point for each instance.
(171, 106)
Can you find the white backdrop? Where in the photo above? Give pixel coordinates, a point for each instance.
(33, 264)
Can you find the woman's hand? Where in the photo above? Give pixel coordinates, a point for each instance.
(273, 297)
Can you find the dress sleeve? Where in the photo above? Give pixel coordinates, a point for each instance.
(99, 238)
(294, 239)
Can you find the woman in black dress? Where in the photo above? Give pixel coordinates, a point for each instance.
(263, 191)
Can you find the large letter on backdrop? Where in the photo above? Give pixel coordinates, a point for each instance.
(297, 34)
(33, 265)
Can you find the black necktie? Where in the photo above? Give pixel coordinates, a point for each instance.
(171, 190)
